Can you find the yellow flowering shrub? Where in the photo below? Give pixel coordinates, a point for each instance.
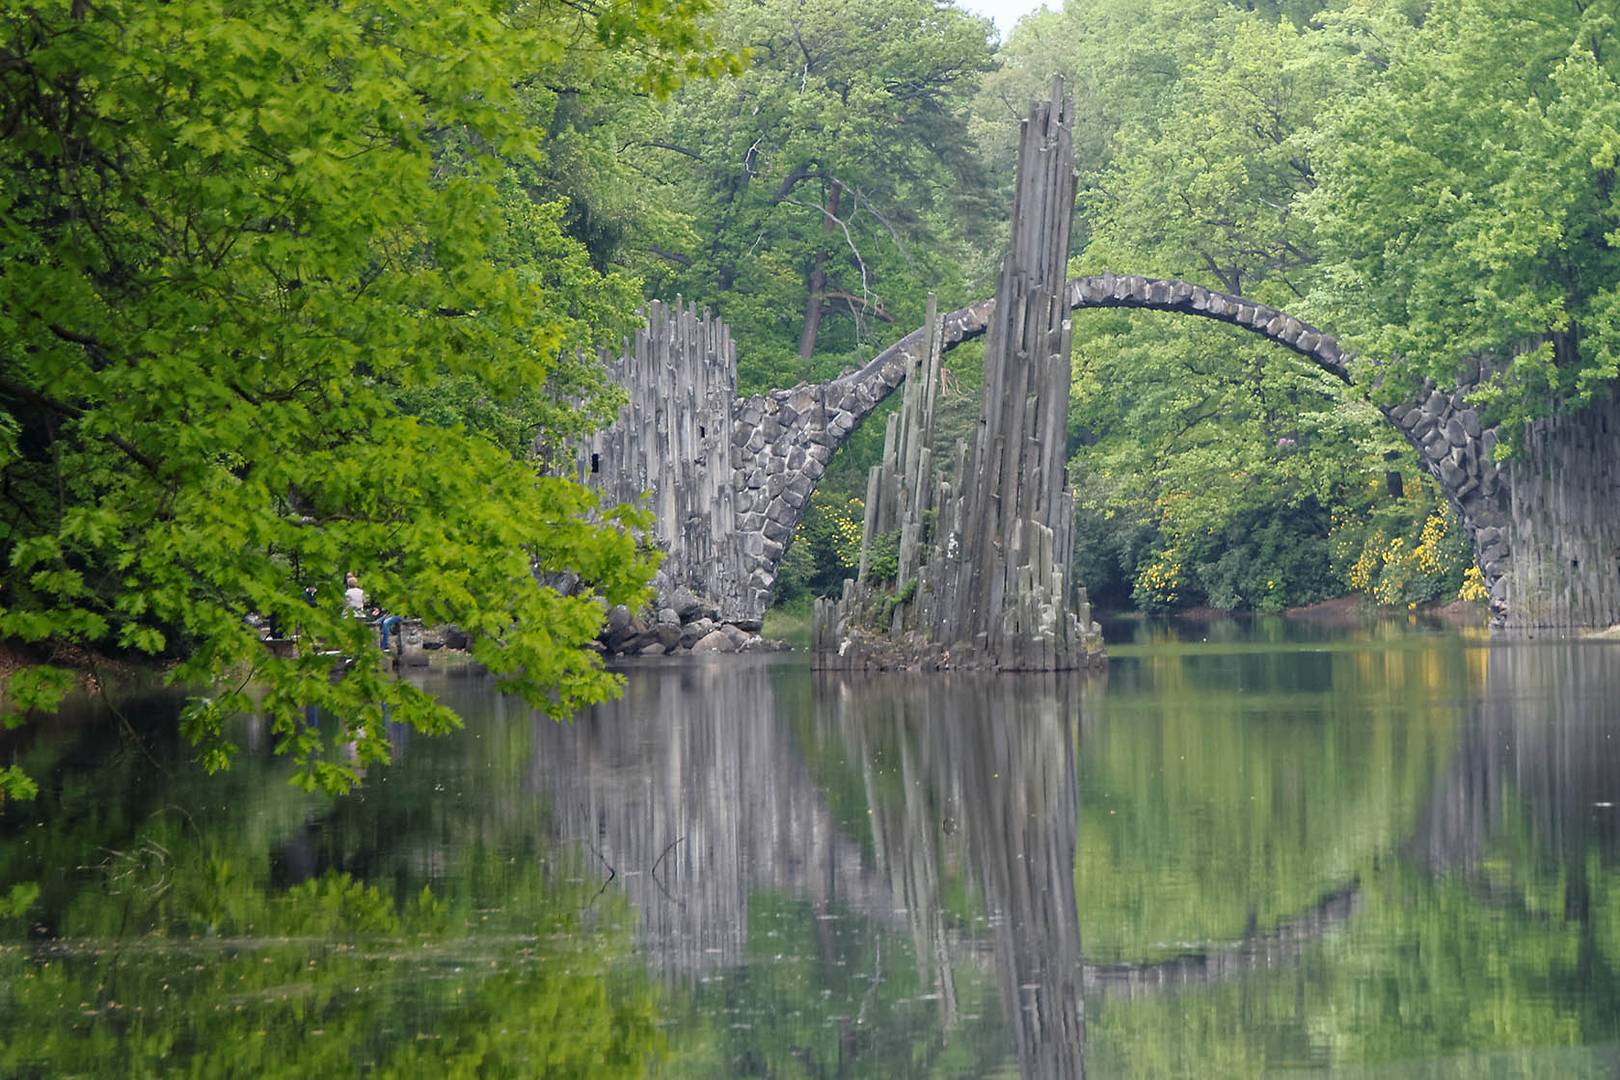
(1397, 572)
(1473, 586)
(1158, 582)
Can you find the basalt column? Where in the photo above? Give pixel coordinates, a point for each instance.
(672, 442)
(1007, 597)
(972, 569)
(1564, 523)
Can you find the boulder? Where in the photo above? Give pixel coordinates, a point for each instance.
(685, 604)
(715, 641)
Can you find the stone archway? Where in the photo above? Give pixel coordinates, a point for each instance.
(730, 477)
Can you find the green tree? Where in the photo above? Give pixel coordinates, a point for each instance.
(1212, 467)
(1467, 205)
(830, 179)
(237, 242)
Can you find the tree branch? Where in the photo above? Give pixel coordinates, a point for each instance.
(20, 392)
(660, 144)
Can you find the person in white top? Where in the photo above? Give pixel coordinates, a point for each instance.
(354, 597)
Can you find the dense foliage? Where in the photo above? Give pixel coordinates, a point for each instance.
(1468, 204)
(288, 292)
(279, 302)
(1214, 469)
(1288, 153)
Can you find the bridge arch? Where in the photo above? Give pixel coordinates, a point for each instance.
(783, 440)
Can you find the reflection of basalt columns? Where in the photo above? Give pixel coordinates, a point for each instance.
(997, 801)
(692, 792)
(1544, 742)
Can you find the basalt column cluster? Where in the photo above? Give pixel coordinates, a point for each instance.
(990, 549)
(670, 451)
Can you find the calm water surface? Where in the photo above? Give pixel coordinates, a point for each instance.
(1261, 848)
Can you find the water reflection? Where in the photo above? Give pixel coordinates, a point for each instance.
(1347, 855)
(982, 779)
(1446, 802)
(943, 809)
(1543, 750)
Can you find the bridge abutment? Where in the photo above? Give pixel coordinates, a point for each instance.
(1563, 522)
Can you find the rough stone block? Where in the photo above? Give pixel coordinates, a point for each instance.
(716, 641)
(685, 604)
(1455, 434)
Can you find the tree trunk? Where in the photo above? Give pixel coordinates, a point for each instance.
(816, 283)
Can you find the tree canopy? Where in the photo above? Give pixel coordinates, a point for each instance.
(289, 292)
(1468, 206)
(241, 248)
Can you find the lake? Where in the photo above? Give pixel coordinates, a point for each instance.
(1248, 847)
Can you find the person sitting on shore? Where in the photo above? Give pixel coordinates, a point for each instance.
(354, 597)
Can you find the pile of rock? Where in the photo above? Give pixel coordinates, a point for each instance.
(679, 623)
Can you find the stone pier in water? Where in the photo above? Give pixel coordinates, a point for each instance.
(979, 575)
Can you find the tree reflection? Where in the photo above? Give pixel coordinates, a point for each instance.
(1336, 858)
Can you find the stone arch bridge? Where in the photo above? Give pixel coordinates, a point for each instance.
(729, 478)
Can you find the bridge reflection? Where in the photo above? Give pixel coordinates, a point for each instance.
(705, 785)
(943, 812)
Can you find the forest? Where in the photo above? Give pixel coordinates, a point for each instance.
(287, 291)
